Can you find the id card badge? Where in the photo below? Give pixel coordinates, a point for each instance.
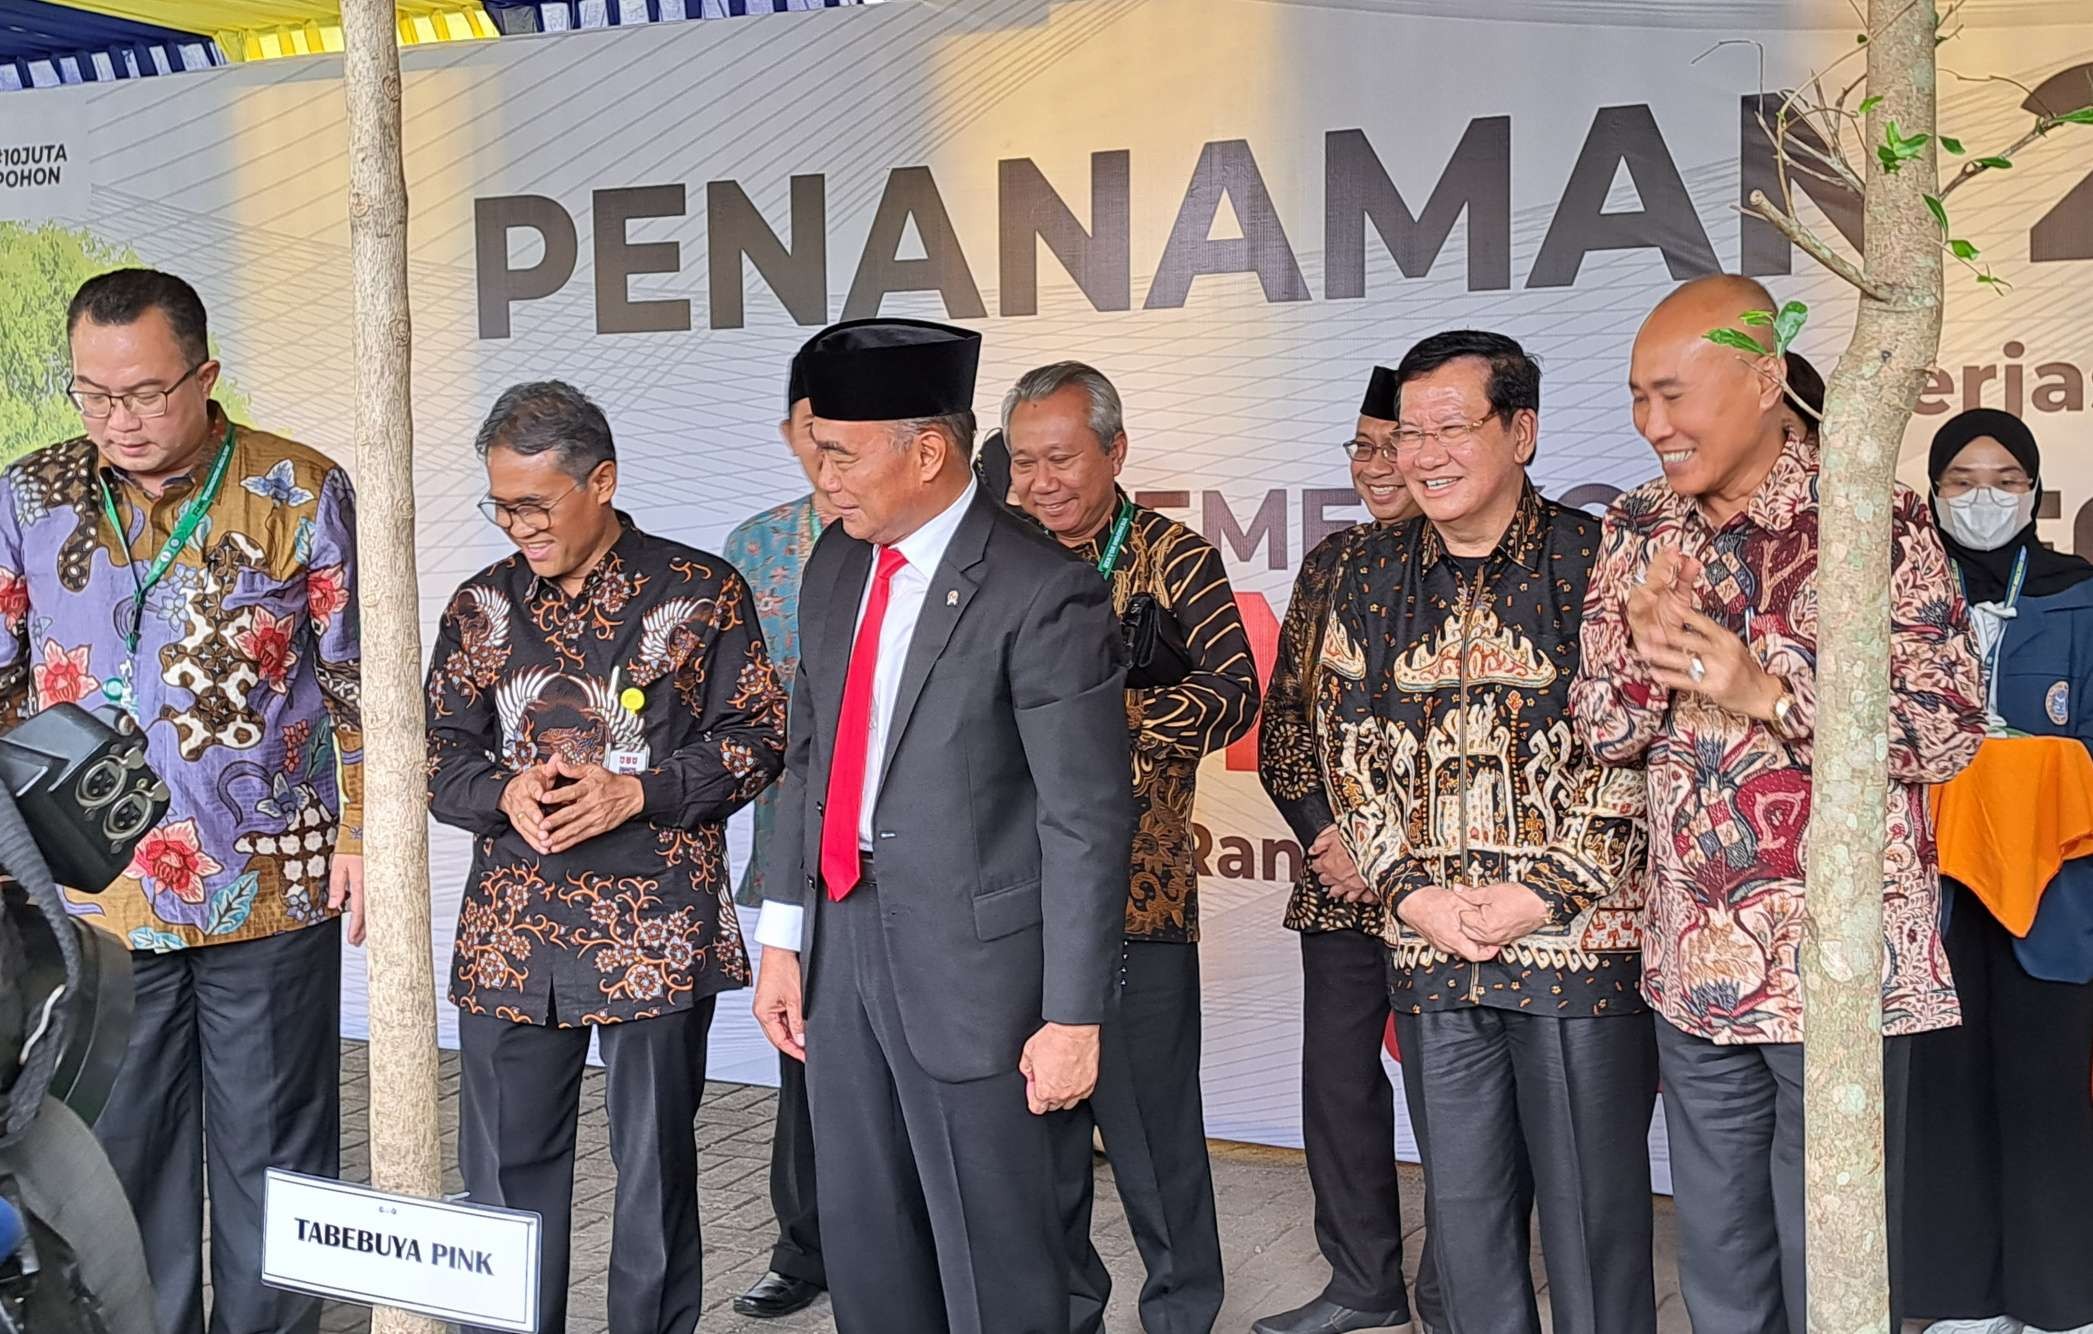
(626, 761)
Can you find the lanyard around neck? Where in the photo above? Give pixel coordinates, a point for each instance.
(192, 517)
(1107, 562)
(2013, 586)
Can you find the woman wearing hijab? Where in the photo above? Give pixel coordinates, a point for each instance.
(1999, 1223)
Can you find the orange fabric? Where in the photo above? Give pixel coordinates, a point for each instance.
(2022, 809)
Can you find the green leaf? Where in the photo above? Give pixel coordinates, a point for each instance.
(2082, 116)
(1995, 163)
(1735, 338)
(1938, 210)
(231, 905)
(1756, 317)
(1870, 102)
(1788, 324)
(1962, 249)
(1995, 283)
(1895, 150)
(1860, 39)
(1952, 145)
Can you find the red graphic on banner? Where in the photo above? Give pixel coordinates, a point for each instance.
(1263, 629)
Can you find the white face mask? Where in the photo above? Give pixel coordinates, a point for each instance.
(1987, 518)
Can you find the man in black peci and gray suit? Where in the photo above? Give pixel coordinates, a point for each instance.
(956, 819)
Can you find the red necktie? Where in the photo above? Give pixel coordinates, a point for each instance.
(846, 770)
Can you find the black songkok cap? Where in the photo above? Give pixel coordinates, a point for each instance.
(890, 370)
(795, 384)
(1383, 400)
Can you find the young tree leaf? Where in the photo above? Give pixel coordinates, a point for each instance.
(1756, 317)
(1962, 249)
(1870, 102)
(1735, 338)
(1952, 145)
(1938, 210)
(1995, 163)
(2082, 116)
(1788, 324)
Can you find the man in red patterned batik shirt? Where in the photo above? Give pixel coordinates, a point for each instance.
(1700, 653)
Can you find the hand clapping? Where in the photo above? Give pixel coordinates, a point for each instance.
(1658, 607)
(1685, 650)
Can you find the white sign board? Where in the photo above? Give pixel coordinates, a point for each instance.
(461, 1262)
(45, 160)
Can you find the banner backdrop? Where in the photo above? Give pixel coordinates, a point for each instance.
(1233, 207)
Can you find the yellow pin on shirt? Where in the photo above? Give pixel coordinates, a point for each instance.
(633, 698)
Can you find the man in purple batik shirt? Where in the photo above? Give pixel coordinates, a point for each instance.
(201, 576)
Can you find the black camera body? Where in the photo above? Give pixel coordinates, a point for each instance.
(78, 796)
(85, 790)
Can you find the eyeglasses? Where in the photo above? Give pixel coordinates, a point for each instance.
(1362, 449)
(95, 405)
(2013, 483)
(1453, 435)
(528, 516)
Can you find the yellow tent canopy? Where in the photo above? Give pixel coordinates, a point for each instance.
(262, 29)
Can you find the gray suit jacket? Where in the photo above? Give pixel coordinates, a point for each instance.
(1004, 818)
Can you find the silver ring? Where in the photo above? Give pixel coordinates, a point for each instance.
(1696, 669)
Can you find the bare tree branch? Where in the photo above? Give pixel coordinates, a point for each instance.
(1990, 78)
(1978, 166)
(1809, 243)
(1832, 167)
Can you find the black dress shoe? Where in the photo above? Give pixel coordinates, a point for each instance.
(774, 1295)
(1323, 1316)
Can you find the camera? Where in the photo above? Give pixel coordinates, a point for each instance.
(83, 788)
(76, 796)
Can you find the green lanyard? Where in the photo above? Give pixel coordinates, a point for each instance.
(2013, 586)
(185, 527)
(1107, 562)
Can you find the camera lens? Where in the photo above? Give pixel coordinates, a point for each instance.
(101, 782)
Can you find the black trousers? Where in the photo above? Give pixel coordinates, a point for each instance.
(1348, 1127)
(1148, 1109)
(938, 1206)
(798, 1250)
(1522, 1109)
(1998, 1196)
(239, 1043)
(519, 1100)
(1734, 1117)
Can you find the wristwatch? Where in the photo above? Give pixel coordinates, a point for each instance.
(1783, 712)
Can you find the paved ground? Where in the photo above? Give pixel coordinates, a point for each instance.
(1262, 1195)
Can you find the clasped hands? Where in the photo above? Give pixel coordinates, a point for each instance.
(1473, 922)
(1685, 650)
(553, 819)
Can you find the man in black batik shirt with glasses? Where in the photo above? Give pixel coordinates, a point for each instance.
(599, 704)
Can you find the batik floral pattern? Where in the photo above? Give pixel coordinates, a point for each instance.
(246, 670)
(654, 664)
(1729, 798)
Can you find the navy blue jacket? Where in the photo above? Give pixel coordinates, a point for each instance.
(2045, 688)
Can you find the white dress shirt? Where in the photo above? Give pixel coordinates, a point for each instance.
(924, 550)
